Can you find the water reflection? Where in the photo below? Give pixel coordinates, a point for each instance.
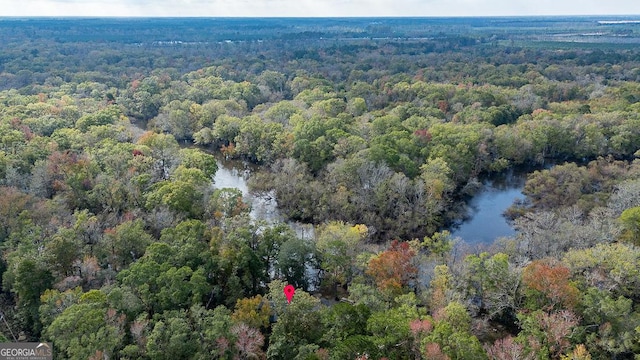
(234, 174)
(485, 222)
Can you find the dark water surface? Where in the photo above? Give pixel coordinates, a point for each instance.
(485, 221)
(483, 224)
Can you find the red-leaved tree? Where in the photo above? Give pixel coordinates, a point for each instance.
(393, 269)
(549, 285)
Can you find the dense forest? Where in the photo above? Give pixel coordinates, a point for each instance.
(118, 244)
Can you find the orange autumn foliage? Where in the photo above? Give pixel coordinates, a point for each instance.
(393, 269)
(552, 281)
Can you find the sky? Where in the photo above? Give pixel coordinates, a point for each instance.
(316, 8)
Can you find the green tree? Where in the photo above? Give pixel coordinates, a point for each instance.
(69, 139)
(179, 118)
(160, 285)
(282, 111)
(298, 325)
(294, 258)
(189, 241)
(226, 129)
(106, 116)
(62, 251)
(126, 243)
(54, 302)
(344, 321)
(184, 193)
(87, 329)
(452, 332)
(437, 177)
(390, 330)
(563, 184)
(338, 245)
(171, 338)
(257, 138)
(274, 80)
(615, 267)
(461, 147)
(609, 324)
(28, 278)
(164, 150)
(226, 203)
(630, 220)
(194, 158)
(213, 328)
(245, 256)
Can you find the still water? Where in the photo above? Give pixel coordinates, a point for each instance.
(485, 221)
(234, 174)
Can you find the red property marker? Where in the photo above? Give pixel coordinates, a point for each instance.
(289, 290)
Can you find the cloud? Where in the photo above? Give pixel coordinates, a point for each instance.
(314, 7)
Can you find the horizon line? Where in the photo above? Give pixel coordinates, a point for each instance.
(311, 17)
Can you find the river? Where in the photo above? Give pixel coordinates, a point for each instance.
(483, 224)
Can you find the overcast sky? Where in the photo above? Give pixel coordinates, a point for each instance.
(305, 8)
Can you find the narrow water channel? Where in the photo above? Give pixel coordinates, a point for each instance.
(234, 174)
(483, 224)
